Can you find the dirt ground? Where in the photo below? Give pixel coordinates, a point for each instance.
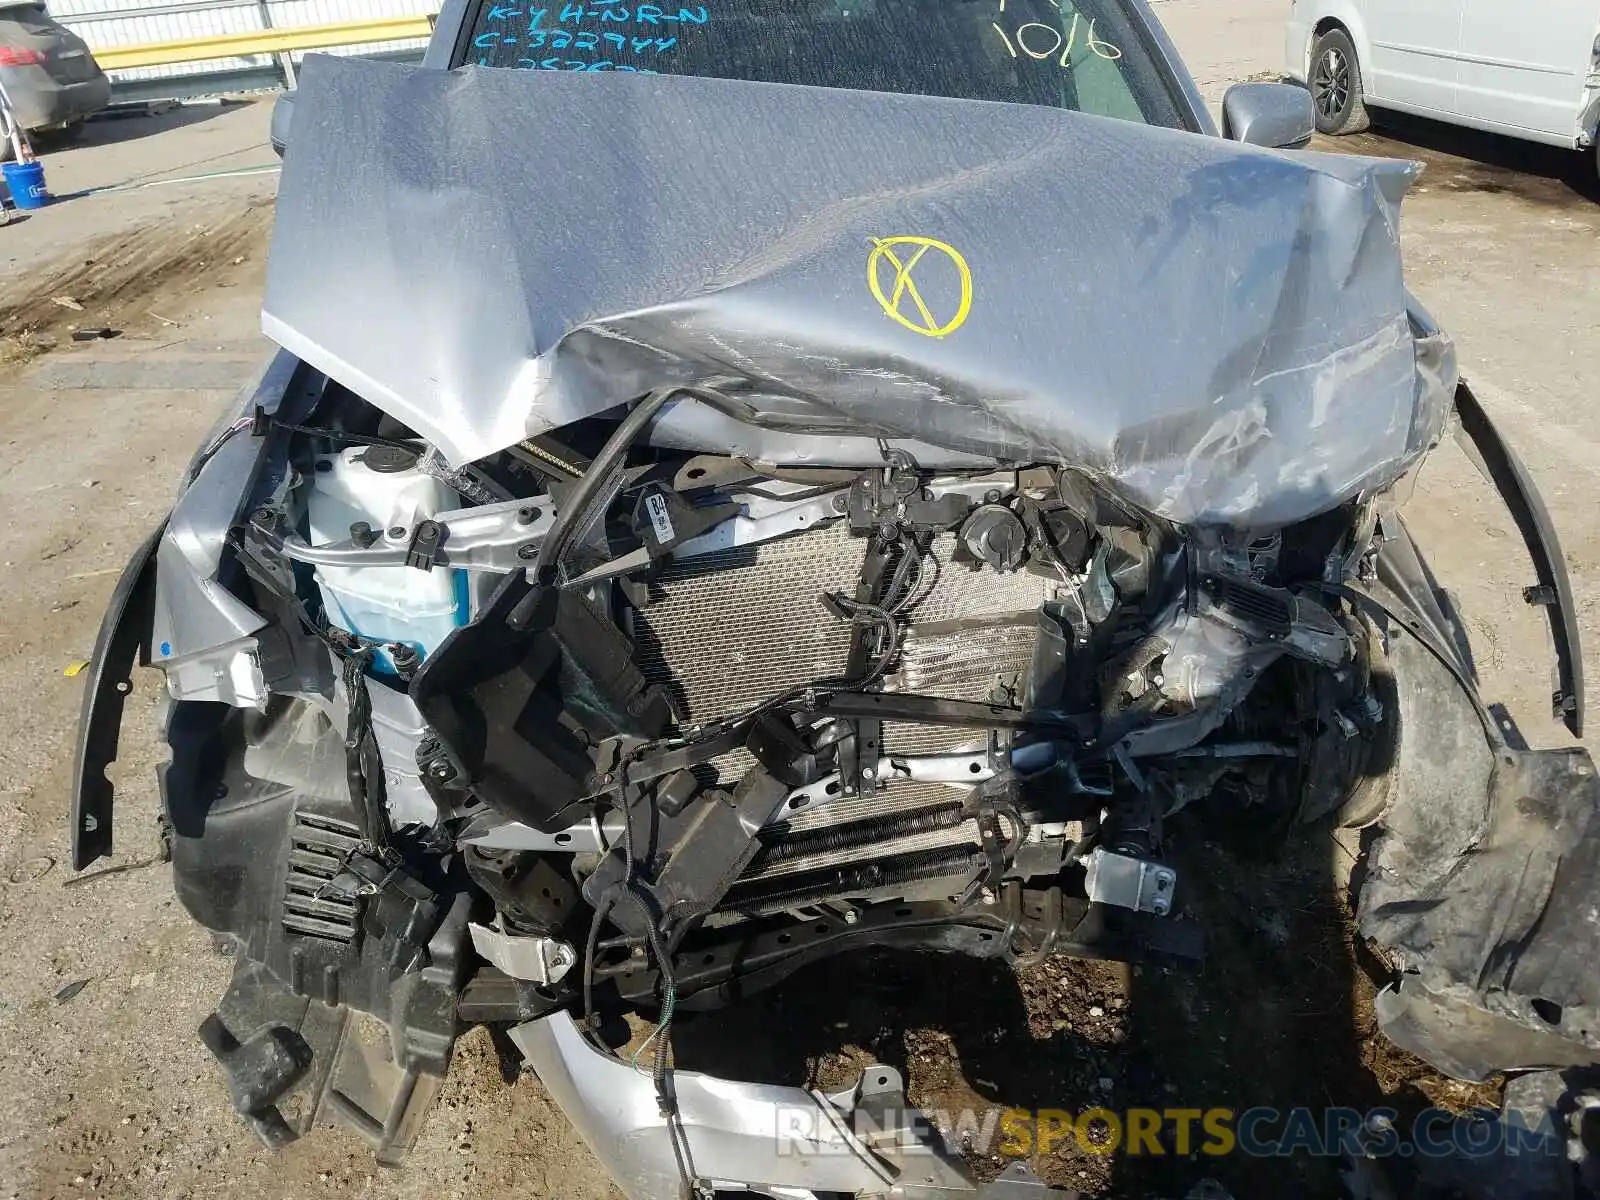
(108, 1091)
(121, 281)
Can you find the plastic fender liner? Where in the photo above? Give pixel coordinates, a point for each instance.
(1490, 910)
(1481, 884)
(1504, 470)
(124, 636)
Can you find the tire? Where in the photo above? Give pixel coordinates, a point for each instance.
(61, 135)
(1335, 79)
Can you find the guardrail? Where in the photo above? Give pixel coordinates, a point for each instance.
(264, 41)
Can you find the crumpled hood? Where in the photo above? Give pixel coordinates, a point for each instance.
(1218, 333)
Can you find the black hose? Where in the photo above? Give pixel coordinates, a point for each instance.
(601, 911)
(1114, 675)
(611, 455)
(363, 764)
(589, 485)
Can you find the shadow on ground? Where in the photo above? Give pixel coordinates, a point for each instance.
(1467, 160)
(112, 127)
(1279, 1015)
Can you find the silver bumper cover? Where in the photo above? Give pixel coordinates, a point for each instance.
(778, 1141)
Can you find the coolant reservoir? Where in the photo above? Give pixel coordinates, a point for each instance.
(383, 487)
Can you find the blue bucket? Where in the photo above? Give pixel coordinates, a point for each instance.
(26, 183)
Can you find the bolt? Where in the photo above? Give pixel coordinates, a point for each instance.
(397, 531)
(841, 502)
(992, 496)
(527, 516)
(851, 917)
(528, 553)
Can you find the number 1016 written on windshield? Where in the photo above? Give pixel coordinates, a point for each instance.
(1039, 41)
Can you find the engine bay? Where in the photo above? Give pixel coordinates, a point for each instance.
(597, 730)
(662, 705)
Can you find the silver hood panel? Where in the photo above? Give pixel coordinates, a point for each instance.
(1218, 333)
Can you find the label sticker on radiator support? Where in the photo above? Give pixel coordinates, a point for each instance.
(660, 521)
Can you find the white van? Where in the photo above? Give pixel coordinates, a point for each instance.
(1530, 69)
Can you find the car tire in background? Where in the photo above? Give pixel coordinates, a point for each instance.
(58, 135)
(1335, 79)
(47, 139)
(54, 137)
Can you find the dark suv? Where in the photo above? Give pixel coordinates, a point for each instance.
(47, 73)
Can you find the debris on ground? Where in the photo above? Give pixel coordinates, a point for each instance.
(137, 865)
(34, 868)
(126, 275)
(71, 990)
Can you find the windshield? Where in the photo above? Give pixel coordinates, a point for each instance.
(1086, 55)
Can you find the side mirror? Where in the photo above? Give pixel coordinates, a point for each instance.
(1267, 114)
(282, 118)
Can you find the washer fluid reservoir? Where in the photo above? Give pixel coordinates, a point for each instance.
(383, 487)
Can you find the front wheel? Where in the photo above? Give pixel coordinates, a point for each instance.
(1336, 84)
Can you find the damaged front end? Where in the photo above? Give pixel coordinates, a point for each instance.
(566, 640)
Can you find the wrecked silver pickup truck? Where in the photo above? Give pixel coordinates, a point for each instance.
(698, 525)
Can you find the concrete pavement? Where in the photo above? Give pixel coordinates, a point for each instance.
(1225, 41)
(140, 157)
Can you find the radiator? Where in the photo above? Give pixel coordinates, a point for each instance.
(729, 630)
